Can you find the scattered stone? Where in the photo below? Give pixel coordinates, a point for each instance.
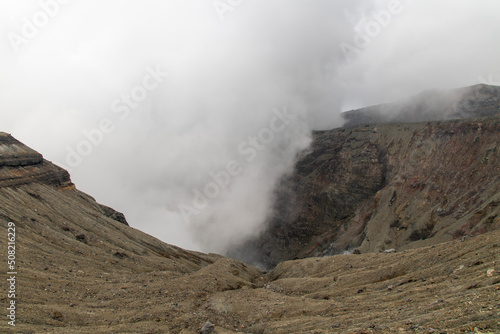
(392, 250)
(120, 255)
(490, 272)
(441, 212)
(356, 251)
(57, 316)
(207, 328)
(82, 238)
(335, 325)
(390, 287)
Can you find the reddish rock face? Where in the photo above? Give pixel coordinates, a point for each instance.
(377, 187)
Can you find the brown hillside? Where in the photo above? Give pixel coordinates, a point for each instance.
(81, 269)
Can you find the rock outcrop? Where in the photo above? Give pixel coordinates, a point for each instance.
(14, 153)
(20, 165)
(381, 186)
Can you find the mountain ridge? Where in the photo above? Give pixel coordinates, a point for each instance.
(479, 100)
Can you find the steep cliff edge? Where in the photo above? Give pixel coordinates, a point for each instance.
(382, 186)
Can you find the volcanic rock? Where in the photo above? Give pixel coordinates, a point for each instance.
(395, 185)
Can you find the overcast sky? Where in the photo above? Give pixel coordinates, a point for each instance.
(184, 114)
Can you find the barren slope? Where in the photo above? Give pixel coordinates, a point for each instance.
(83, 270)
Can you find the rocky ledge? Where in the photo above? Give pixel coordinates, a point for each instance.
(21, 165)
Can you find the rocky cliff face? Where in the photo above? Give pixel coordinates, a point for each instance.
(374, 187)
